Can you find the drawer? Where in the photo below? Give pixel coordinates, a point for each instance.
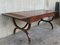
(35, 18)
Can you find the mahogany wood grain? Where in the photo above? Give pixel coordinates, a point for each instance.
(33, 15)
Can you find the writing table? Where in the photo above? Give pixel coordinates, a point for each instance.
(30, 17)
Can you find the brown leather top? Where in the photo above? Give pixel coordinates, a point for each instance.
(27, 14)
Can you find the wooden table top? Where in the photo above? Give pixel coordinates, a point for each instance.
(27, 14)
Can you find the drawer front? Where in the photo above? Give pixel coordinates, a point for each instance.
(35, 18)
(39, 17)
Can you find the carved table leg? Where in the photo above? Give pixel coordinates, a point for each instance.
(28, 36)
(50, 24)
(14, 30)
(23, 28)
(39, 22)
(47, 21)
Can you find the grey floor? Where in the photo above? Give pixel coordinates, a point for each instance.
(40, 35)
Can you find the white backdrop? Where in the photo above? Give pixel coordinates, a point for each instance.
(20, 5)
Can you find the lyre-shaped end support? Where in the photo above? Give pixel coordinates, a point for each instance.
(23, 29)
(47, 21)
